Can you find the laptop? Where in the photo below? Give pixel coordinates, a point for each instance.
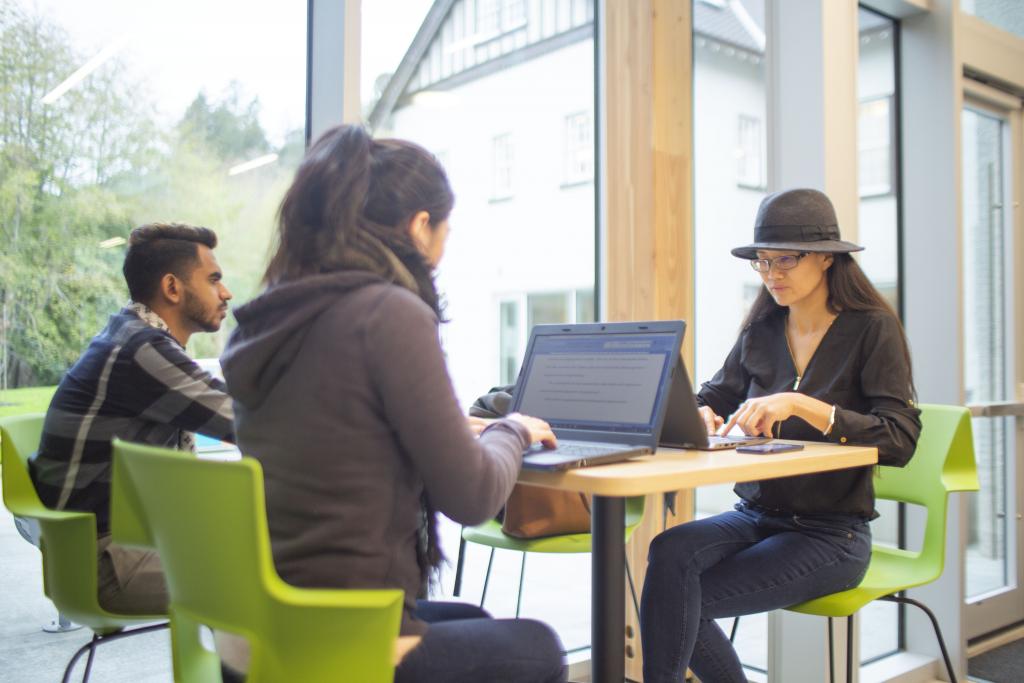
(603, 388)
(685, 428)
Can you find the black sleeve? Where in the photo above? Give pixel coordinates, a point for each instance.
(893, 422)
(495, 403)
(728, 388)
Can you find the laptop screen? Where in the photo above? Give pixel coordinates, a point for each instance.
(607, 382)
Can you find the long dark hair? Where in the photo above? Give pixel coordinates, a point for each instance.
(352, 193)
(348, 187)
(848, 290)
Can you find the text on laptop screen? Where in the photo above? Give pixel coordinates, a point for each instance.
(597, 381)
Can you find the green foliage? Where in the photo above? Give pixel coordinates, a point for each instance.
(91, 166)
(229, 130)
(24, 401)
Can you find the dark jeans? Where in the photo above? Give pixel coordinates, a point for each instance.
(465, 645)
(736, 563)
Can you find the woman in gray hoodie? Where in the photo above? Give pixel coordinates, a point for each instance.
(341, 392)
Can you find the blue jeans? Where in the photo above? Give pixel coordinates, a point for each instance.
(736, 563)
(465, 645)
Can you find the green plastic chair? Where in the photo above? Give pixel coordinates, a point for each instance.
(943, 463)
(208, 522)
(67, 544)
(489, 534)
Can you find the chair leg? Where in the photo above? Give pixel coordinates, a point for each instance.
(487, 579)
(88, 647)
(735, 627)
(457, 590)
(61, 625)
(88, 661)
(935, 625)
(522, 575)
(849, 649)
(98, 640)
(632, 587)
(831, 652)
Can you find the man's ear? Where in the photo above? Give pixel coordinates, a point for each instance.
(171, 289)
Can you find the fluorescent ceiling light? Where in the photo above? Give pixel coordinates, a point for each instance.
(84, 71)
(255, 163)
(436, 99)
(112, 242)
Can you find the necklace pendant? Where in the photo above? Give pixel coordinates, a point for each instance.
(796, 383)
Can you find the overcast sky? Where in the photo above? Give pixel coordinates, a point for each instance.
(178, 48)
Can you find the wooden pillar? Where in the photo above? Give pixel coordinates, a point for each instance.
(645, 100)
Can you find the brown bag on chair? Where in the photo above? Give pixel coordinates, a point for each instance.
(534, 511)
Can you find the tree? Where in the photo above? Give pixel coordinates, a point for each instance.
(58, 167)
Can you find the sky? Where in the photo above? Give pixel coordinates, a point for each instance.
(175, 49)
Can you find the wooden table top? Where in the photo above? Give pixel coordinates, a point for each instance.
(672, 469)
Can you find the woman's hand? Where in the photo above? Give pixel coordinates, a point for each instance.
(478, 424)
(540, 431)
(711, 421)
(757, 416)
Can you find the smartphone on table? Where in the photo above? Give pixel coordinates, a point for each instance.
(769, 448)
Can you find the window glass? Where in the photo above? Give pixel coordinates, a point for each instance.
(987, 345)
(502, 156)
(579, 148)
(878, 232)
(876, 144)
(1004, 14)
(117, 113)
(730, 162)
(513, 88)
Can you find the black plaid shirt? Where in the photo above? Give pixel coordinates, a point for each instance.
(134, 382)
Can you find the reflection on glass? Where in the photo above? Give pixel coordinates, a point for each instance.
(1004, 14)
(876, 151)
(116, 113)
(879, 233)
(986, 370)
(730, 162)
(505, 90)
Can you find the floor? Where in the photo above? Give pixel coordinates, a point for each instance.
(557, 591)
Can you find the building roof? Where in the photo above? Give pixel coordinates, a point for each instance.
(738, 23)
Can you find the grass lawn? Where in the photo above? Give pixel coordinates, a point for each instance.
(27, 400)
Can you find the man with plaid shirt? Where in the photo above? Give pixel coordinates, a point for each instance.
(135, 382)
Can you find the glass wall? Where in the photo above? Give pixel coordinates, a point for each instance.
(502, 91)
(988, 346)
(878, 232)
(1004, 14)
(117, 113)
(730, 180)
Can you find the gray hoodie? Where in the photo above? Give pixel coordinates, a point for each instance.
(341, 392)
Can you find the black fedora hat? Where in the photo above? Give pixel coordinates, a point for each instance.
(796, 220)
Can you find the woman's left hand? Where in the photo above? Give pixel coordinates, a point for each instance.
(757, 416)
(478, 424)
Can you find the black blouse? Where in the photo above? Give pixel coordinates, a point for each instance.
(859, 367)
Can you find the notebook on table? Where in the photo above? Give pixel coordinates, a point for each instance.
(603, 388)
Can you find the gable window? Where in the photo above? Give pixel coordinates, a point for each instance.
(749, 157)
(501, 166)
(494, 17)
(579, 148)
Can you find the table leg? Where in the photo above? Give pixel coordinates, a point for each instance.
(608, 590)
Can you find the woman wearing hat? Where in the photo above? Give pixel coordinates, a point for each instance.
(820, 357)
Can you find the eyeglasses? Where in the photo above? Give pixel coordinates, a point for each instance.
(784, 262)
